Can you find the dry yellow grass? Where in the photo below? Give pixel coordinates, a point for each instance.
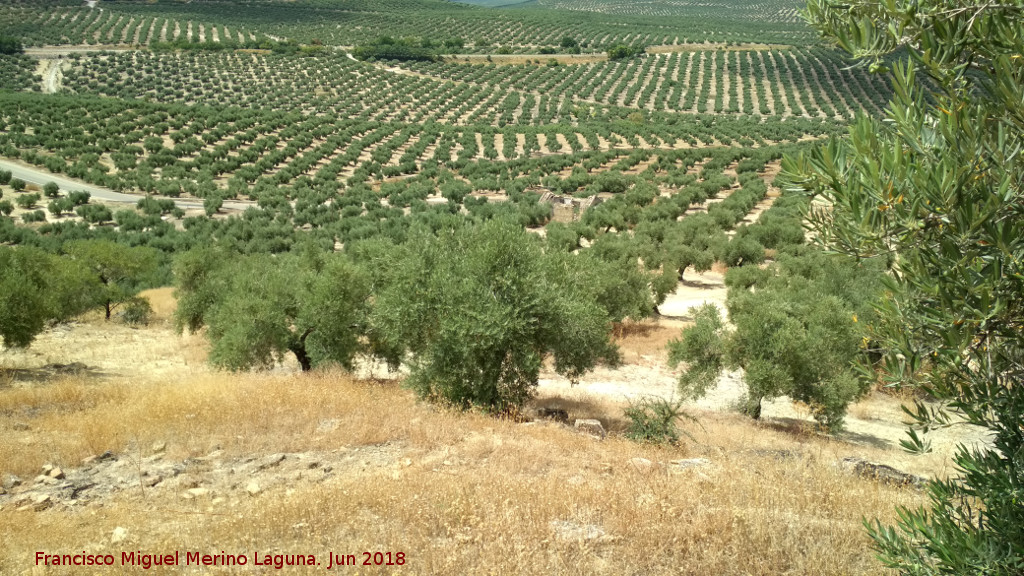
(458, 494)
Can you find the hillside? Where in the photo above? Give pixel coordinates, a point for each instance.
(163, 455)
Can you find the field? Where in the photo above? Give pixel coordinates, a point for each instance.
(259, 126)
(366, 467)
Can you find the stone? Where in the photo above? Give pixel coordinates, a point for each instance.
(590, 426)
(150, 481)
(195, 493)
(328, 425)
(120, 535)
(74, 489)
(11, 481)
(882, 473)
(158, 447)
(253, 488)
(41, 502)
(21, 427)
(270, 462)
(47, 468)
(687, 463)
(56, 473)
(641, 464)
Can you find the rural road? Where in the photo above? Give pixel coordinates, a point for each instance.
(46, 52)
(41, 177)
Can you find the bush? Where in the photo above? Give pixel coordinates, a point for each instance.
(27, 200)
(6, 207)
(481, 310)
(18, 184)
(35, 216)
(51, 189)
(653, 419)
(797, 333)
(5, 177)
(137, 312)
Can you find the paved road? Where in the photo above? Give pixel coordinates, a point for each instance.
(45, 52)
(41, 177)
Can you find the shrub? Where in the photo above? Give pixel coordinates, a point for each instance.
(136, 312)
(27, 200)
(34, 216)
(654, 419)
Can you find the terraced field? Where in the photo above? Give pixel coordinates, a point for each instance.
(350, 149)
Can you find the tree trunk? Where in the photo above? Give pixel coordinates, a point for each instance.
(300, 354)
(298, 348)
(108, 307)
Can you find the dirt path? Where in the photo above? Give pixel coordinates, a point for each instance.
(52, 72)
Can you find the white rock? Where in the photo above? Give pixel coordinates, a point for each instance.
(590, 426)
(641, 464)
(686, 464)
(253, 488)
(120, 535)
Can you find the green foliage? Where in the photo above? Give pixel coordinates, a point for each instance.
(935, 187)
(120, 270)
(622, 51)
(481, 308)
(94, 213)
(51, 189)
(136, 312)
(37, 288)
(33, 216)
(6, 207)
(27, 200)
(386, 48)
(5, 177)
(796, 334)
(260, 308)
(212, 204)
(10, 45)
(655, 420)
(17, 184)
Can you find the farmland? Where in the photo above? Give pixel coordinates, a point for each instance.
(488, 189)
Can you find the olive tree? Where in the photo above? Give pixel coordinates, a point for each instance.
(936, 187)
(480, 309)
(794, 333)
(120, 270)
(36, 288)
(260, 308)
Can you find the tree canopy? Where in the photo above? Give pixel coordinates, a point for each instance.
(478, 311)
(37, 288)
(935, 187)
(261, 307)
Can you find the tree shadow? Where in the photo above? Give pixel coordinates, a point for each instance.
(12, 376)
(808, 428)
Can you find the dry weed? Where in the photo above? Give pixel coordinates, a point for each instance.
(468, 495)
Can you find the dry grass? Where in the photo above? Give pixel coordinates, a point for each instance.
(458, 493)
(647, 339)
(464, 494)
